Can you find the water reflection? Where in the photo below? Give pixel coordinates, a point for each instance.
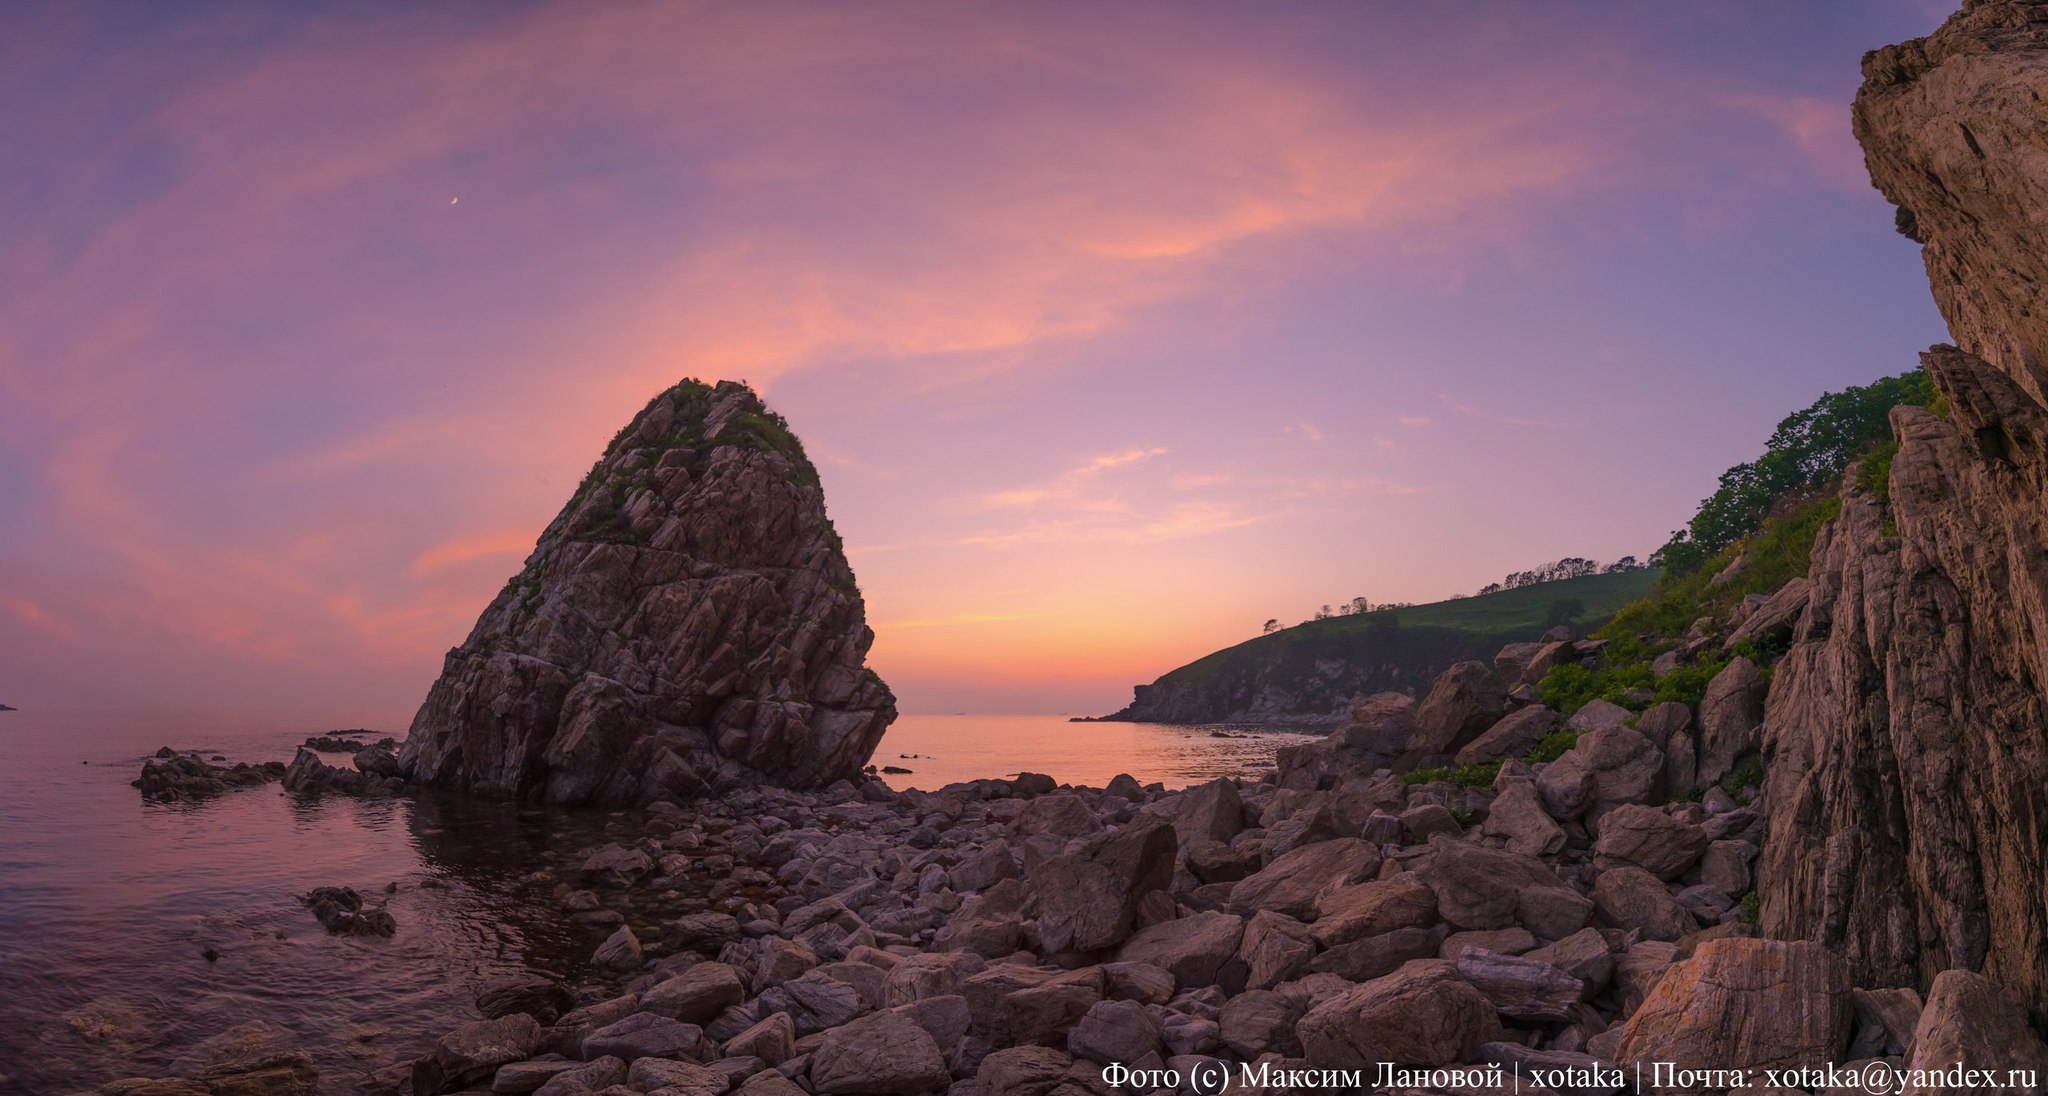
(109, 904)
(939, 750)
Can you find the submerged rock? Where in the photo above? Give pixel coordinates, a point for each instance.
(688, 623)
(172, 777)
(343, 912)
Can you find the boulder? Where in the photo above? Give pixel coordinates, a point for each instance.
(1291, 883)
(885, 1054)
(1596, 714)
(1062, 816)
(1089, 900)
(1045, 1012)
(1513, 940)
(644, 1035)
(1421, 1015)
(1196, 950)
(1626, 767)
(1209, 812)
(616, 866)
(1772, 622)
(1025, 1071)
(1375, 956)
(519, 1078)
(1637, 970)
(1521, 988)
(1380, 730)
(1510, 736)
(597, 1075)
(1725, 866)
(1517, 820)
(473, 1052)
(1356, 911)
(771, 1039)
(1511, 664)
(1216, 862)
(1631, 898)
(1259, 1022)
(817, 1001)
(1731, 719)
(673, 1078)
(1275, 948)
(1886, 1019)
(1648, 838)
(1567, 787)
(697, 995)
(1115, 1032)
(1482, 888)
(982, 870)
(283, 1073)
(541, 998)
(620, 953)
(765, 1083)
(1585, 955)
(1750, 1004)
(1465, 701)
(687, 623)
(1970, 1022)
(1425, 820)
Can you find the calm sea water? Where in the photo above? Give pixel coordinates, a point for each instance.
(967, 747)
(107, 902)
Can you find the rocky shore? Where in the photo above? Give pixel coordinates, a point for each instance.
(1567, 920)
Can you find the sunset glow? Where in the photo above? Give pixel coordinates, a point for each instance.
(1114, 330)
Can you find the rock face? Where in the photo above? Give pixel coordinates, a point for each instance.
(1906, 762)
(1760, 1003)
(687, 623)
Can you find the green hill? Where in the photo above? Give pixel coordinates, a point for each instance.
(1309, 673)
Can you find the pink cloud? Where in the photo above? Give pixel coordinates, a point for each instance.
(1819, 129)
(274, 395)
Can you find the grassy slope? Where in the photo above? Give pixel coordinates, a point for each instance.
(1521, 610)
(1417, 641)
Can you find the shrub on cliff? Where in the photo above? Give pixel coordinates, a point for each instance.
(1808, 451)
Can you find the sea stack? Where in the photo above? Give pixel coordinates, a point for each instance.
(687, 624)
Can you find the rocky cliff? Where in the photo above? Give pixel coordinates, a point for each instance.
(1313, 673)
(1906, 751)
(687, 623)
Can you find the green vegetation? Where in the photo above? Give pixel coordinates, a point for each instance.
(1525, 609)
(1752, 908)
(1757, 530)
(1479, 774)
(1781, 550)
(1747, 774)
(1753, 534)
(1807, 453)
(629, 461)
(1552, 746)
(1324, 662)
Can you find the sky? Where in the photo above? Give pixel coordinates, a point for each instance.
(1114, 329)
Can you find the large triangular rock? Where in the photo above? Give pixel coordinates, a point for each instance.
(687, 623)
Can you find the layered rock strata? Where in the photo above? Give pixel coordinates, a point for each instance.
(1907, 754)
